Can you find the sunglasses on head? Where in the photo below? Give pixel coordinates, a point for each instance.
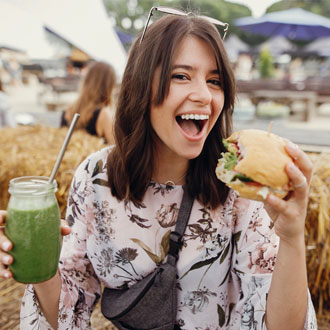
(171, 11)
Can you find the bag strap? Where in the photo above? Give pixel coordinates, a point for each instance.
(180, 227)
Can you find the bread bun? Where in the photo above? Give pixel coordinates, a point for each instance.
(261, 159)
(256, 193)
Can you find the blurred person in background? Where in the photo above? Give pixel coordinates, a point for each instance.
(94, 102)
(6, 118)
(15, 71)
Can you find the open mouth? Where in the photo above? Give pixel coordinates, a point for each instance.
(192, 124)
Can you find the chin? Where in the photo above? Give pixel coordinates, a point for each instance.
(192, 155)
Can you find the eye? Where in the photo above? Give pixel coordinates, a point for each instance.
(179, 76)
(215, 82)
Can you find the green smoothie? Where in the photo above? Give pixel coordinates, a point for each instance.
(35, 233)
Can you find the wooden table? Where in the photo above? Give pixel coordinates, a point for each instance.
(287, 97)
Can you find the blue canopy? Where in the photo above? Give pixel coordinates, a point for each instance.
(294, 23)
(124, 37)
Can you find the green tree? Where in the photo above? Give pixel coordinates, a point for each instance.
(266, 64)
(136, 11)
(320, 7)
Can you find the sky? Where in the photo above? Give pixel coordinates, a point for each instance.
(258, 7)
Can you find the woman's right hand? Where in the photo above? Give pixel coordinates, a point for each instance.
(6, 245)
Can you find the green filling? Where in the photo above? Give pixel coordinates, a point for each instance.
(225, 143)
(230, 156)
(231, 161)
(242, 178)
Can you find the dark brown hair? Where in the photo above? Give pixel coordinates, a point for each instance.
(95, 92)
(130, 164)
(1, 88)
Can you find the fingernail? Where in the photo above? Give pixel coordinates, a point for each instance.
(6, 275)
(292, 145)
(292, 166)
(6, 260)
(5, 246)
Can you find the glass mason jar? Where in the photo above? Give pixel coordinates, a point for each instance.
(33, 226)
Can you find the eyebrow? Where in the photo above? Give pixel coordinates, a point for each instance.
(190, 68)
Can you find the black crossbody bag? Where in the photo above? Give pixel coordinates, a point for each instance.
(151, 303)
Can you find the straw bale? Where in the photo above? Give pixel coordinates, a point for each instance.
(33, 151)
(317, 234)
(11, 293)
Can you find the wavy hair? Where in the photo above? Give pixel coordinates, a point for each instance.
(95, 92)
(130, 164)
(1, 87)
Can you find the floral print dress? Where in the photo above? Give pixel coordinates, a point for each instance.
(224, 267)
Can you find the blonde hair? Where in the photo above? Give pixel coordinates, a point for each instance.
(95, 92)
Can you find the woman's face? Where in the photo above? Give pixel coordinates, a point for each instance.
(194, 102)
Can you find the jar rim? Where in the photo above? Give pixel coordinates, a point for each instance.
(34, 185)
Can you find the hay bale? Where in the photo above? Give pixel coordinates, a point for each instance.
(34, 150)
(318, 234)
(11, 294)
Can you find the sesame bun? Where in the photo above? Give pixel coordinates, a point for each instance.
(263, 159)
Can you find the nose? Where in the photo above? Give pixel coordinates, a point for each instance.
(200, 92)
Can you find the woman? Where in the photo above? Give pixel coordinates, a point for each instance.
(174, 107)
(6, 118)
(94, 101)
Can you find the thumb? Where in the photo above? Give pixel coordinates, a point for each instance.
(65, 229)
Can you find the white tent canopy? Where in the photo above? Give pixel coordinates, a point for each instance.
(82, 23)
(277, 45)
(235, 46)
(321, 46)
(22, 31)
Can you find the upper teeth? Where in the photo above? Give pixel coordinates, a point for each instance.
(195, 117)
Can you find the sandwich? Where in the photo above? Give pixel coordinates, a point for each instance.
(254, 164)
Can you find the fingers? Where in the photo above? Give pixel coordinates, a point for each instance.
(2, 218)
(300, 159)
(297, 179)
(5, 246)
(301, 184)
(65, 229)
(5, 258)
(275, 204)
(5, 261)
(299, 195)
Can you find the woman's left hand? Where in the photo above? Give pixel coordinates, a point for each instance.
(289, 213)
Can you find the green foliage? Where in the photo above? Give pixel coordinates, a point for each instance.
(319, 7)
(139, 9)
(266, 64)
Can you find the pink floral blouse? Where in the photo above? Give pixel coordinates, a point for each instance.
(225, 266)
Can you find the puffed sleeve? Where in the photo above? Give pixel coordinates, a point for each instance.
(254, 257)
(80, 286)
